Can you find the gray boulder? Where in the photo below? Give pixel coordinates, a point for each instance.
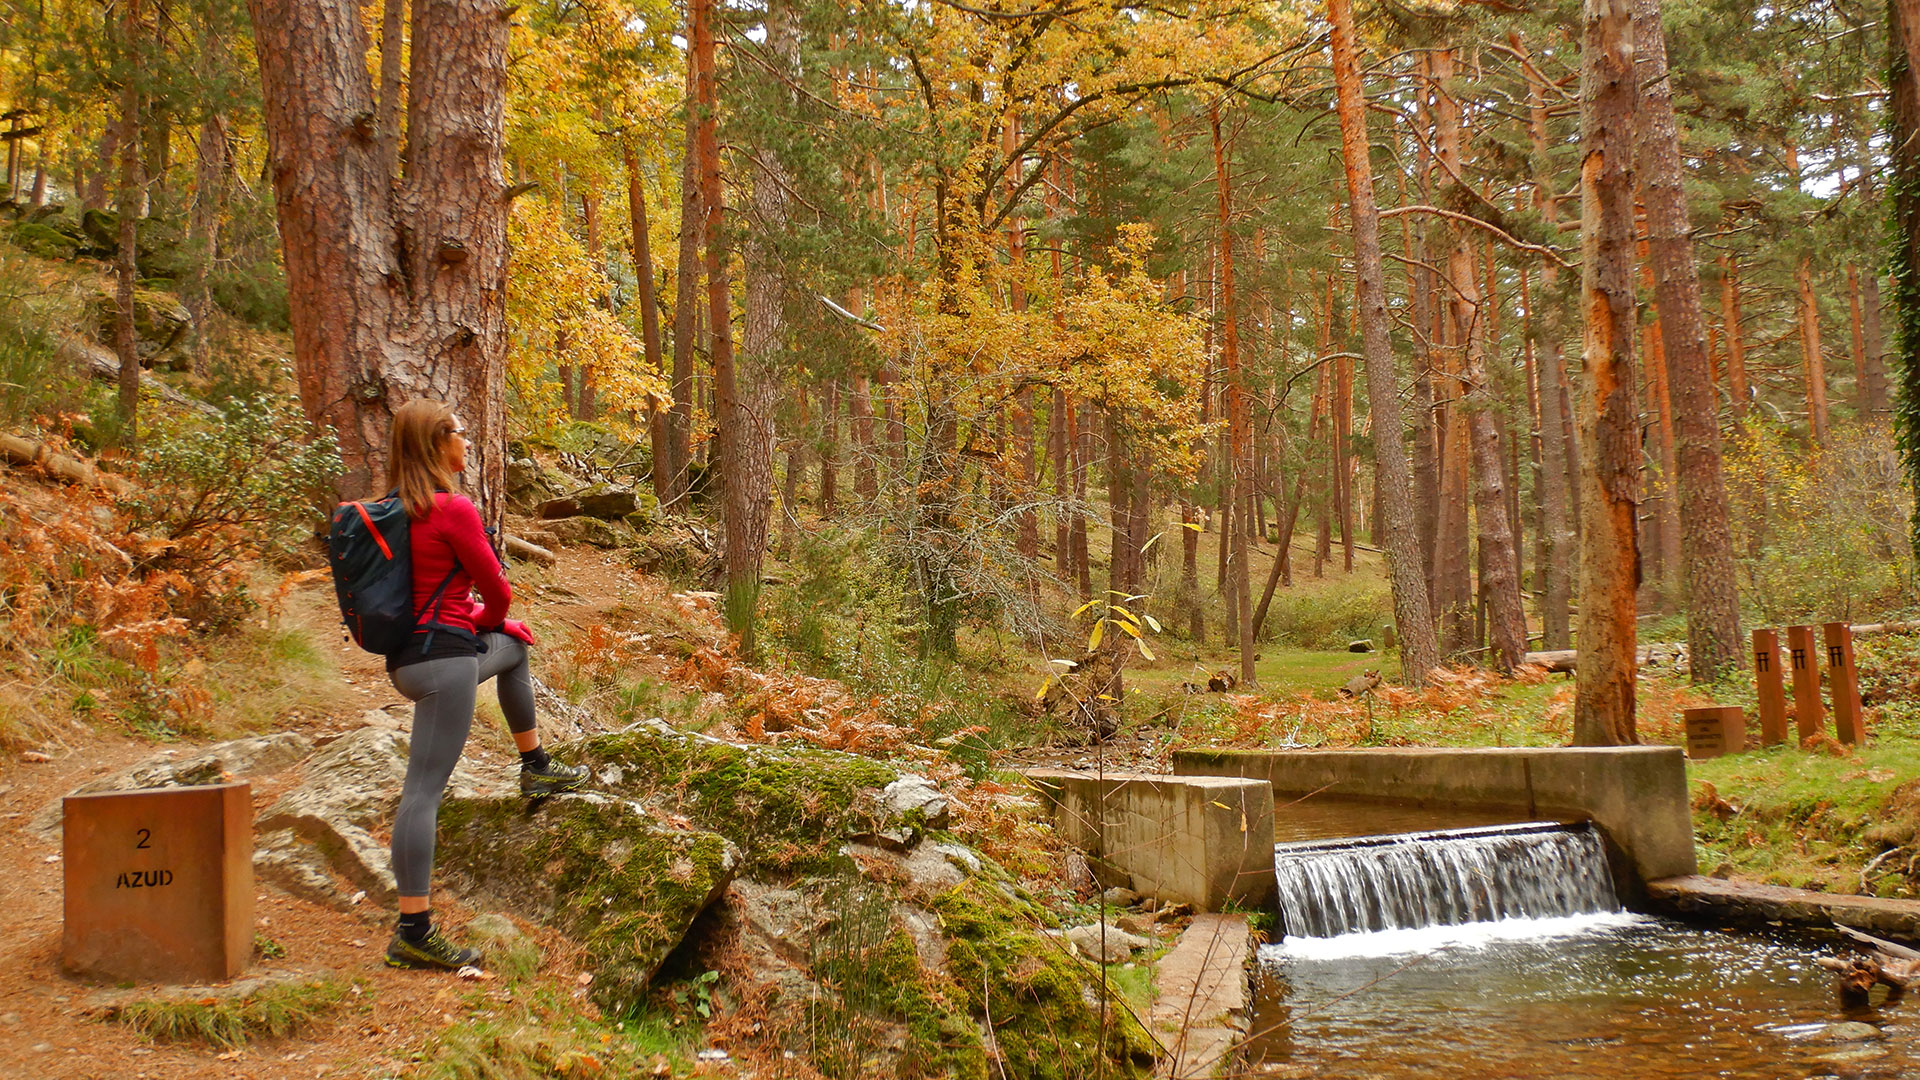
(238, 759)
(318, 840)
(1113, 947)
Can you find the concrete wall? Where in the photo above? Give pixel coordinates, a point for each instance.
(1200, 840)
(1636, 794)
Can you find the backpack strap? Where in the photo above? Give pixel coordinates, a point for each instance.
(433, 625)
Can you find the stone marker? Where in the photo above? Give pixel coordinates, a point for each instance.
(1714, 731)
(1771, 683)
(1844, 679)
(159, 883)
(1803, 658)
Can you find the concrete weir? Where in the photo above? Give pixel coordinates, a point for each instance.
(1200, 840)
(1637, 795)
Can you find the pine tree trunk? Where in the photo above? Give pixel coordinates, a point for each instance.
(637, 218)
(672, 482)
(1459, 320)
(1662, 517)
(1814, 364)
(830, 448)
(1713, 605)
(396, 292)
(127, 199)
(1857, 338)
(1609, 552)
(1874, 369)
(860, 409)
(1239, 437)
(212, 163)
(1736, 342)
(1903, 35)
(1419, 652)
(744, 454)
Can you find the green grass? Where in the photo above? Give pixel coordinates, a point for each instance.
(272, 1012)
(1806, 819)
(537, 1035)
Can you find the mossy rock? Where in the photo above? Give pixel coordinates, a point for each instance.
(789, 809)
(603, 871)
(586, 530)
(44, 241)
(1044, 1003)
(159, 320)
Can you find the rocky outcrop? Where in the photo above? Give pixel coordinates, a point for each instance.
(610, 875)
(318, 840)
(235, 760)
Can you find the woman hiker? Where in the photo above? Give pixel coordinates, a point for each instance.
(453, 650)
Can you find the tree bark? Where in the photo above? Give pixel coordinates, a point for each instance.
(127, 198)
(1609, 550)
(1238, 436)
(671, 485)
(1903, 36)
(637, 217)
(400, 292)
(1736, 342)
(1419, 651)
(1557, 556)
(1713, 604)
(1813, 362)
(1873, 372)
(742, 399)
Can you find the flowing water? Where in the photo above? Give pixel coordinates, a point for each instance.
(1442, 879)
(1503, 953)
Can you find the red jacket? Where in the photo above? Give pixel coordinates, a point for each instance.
(452, 536)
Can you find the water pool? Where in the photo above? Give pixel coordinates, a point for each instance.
(1609, 997)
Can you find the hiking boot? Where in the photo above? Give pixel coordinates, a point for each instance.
(434, 952)
(551, 778)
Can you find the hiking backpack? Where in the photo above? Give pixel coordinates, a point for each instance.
(368, 549)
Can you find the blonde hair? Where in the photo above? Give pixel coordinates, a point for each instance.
(417, 454)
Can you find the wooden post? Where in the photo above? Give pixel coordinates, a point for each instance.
(1770, 681)
(1803, 656)
(1845, 683)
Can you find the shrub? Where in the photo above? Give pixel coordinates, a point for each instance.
(34, 378)
(246, 485)
(1819, 533)
(1328, 618)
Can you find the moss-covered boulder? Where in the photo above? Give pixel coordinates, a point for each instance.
(159, 320)
(43, 240)
(1044, 1003)
(790, 810)
(607, 873)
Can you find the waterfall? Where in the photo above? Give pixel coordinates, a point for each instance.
(1442, 879)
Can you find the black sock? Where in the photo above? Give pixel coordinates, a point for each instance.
(416, 925)
(535, 758)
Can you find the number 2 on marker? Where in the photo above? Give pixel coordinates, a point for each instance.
(145, 835)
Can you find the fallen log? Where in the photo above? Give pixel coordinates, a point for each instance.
(527, 551)
(1888, 963)
(25, 452)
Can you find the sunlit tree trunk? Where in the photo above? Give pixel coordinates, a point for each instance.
(637, 217)
(1603, 712)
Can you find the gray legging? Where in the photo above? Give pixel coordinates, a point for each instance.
(442, 692)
